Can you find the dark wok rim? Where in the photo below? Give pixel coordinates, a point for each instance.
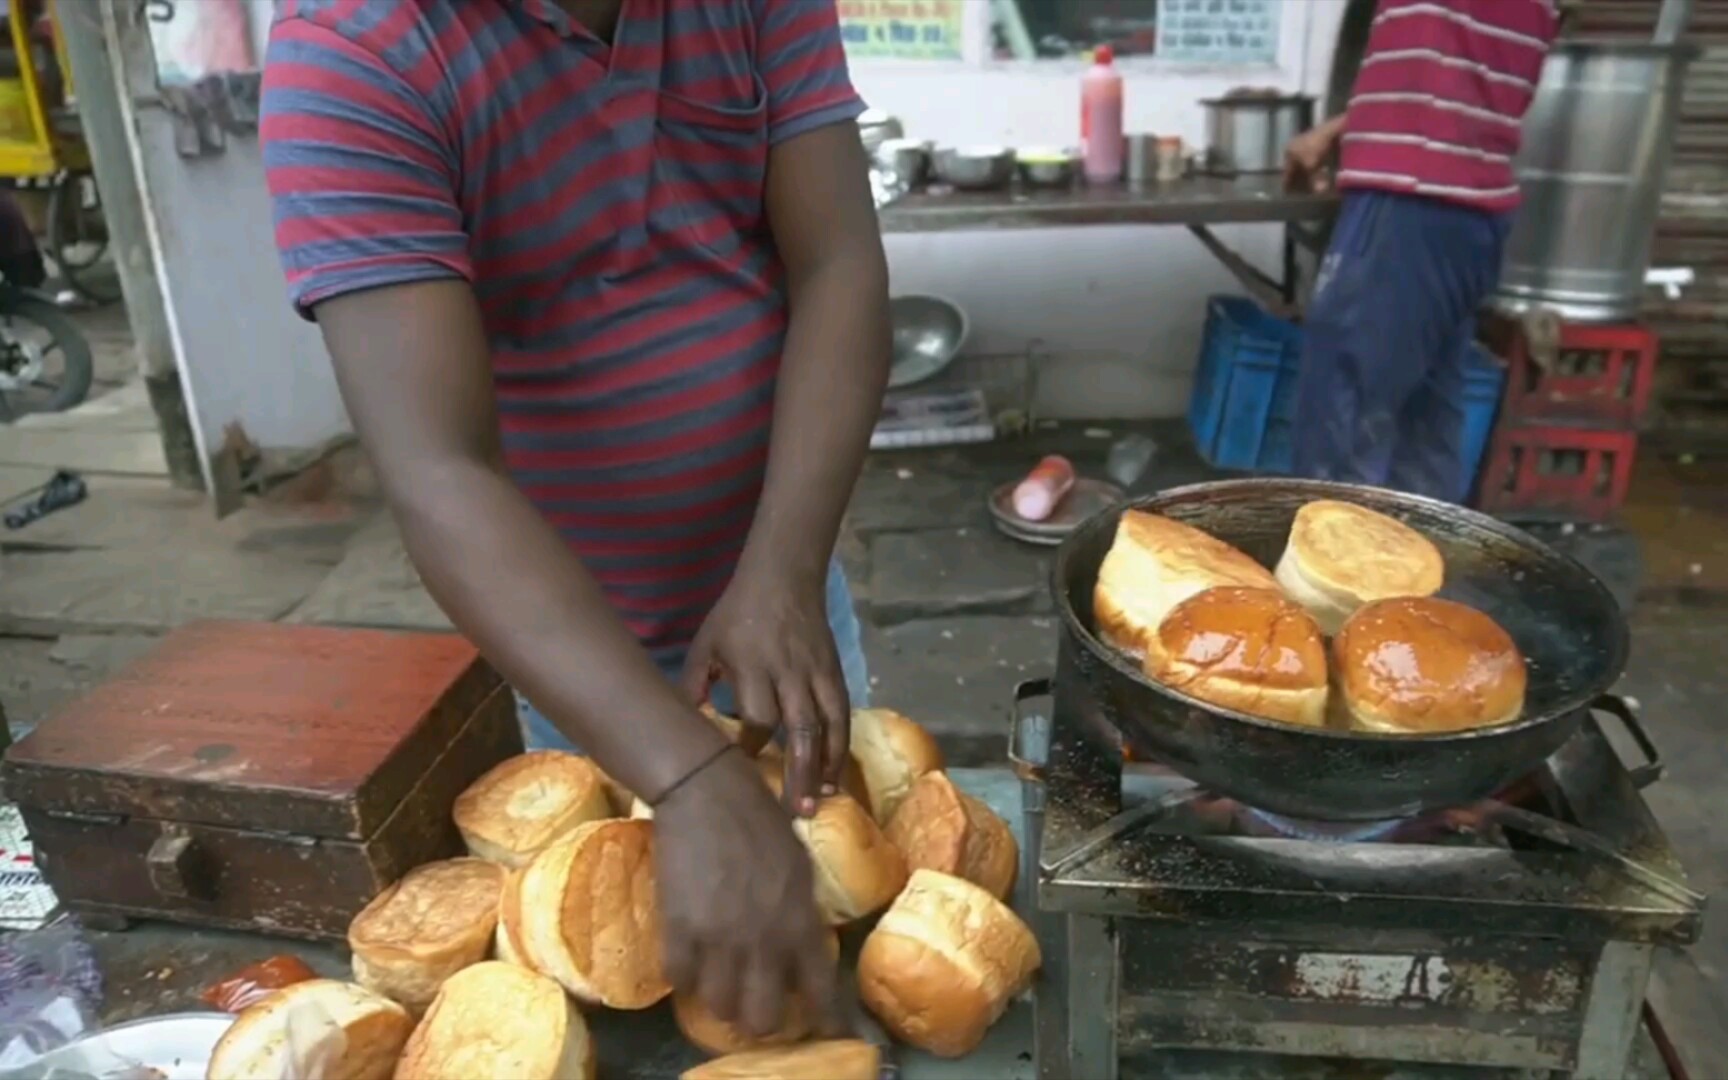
(1618, 638)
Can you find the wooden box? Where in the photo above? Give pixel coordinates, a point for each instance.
(260, 776)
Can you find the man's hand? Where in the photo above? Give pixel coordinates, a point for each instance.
(737, 900)
(769, 639)
(1308, 157)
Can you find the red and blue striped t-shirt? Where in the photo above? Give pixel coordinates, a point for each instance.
(1439, 104)
(606, 203)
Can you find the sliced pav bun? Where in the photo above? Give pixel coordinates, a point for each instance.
(1419, 665)
(1251, 650)
(944, 962)
(339, 1030)
(1155, 563)
(891, 751)
(437, 920)
(506, 940)
(496, 1021)
(939, 827)
(1341, 556)
(715, 1036)
(858, 871)
(584, 912)
(834, 1059)
(524, 804)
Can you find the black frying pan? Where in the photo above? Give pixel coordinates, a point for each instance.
(1568, 626)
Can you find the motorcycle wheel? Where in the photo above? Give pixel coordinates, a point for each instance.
(31, 322)
(78, 238)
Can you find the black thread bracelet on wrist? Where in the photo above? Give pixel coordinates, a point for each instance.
(687, 777)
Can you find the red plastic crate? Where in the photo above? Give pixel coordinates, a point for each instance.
(1578, 474)
(1601, 377)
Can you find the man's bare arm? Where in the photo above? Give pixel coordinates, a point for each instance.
(835, 363)
(770, 632)
(413, 365)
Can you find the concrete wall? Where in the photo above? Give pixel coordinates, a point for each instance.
(1117, 310)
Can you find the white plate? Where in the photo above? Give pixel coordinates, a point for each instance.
(178, 1046)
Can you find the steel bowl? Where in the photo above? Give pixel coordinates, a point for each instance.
(1048, 168)
(907, 159)
(975, 168)
(928, 334)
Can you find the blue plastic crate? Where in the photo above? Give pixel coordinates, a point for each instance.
(1245, 390)
(1247, 369)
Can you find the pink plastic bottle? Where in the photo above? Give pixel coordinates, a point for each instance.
(1101, 119)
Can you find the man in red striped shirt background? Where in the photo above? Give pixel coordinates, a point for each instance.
(1424, 155)
(607, 302)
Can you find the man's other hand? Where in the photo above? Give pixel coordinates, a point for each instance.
(769, 639)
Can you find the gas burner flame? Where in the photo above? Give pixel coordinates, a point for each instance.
(1324, 832)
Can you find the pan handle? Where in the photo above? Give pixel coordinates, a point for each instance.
(1620, 709)
(1025, 730)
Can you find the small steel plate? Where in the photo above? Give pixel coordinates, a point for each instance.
(1085, 498)
(177, 1045)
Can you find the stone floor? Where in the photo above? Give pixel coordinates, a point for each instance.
(955, 616)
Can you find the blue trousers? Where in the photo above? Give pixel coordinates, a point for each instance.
(1380, 394)
(539, 734)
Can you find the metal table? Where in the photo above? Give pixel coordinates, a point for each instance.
(1197, 202)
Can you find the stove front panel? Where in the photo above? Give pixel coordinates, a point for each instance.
(1489, 1001)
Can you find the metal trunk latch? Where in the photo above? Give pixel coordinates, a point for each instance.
(178, 868)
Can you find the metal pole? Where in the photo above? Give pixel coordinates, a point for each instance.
(1671, 21)
(98, 91)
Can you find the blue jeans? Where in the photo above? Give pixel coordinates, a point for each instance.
(539, 734)
(1391, 326)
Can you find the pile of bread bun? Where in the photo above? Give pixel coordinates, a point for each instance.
(1202, 617)
(478, 967)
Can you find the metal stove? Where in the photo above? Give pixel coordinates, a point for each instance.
(1186, 934)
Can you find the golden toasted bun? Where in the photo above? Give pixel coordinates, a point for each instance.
(891, 751)
(584, 913)
(837, 1059)
(1341, 556)
(944, 962)
(498, 1022)
(1154, 564)
(526, 803)
(857, 870)
(1420, 665)
(716, 1036)
(939, 827)
(437, 920)
(304, 1021)
(1251, 650)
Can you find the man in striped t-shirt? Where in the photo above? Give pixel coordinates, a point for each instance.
(1425, 171)
(606, 299)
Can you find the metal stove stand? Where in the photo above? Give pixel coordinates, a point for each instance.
(1171, 950)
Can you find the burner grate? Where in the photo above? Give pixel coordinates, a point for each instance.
(1513, 936)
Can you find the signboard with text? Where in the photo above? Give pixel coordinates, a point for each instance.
(902, 29)
(1219, 31)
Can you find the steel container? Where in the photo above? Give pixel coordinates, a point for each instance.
(974, 168)
(1595, 153)
(1248, 134)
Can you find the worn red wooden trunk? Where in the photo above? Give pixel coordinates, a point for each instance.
(260, 776)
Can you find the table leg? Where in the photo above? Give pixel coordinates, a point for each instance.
(1260, 285)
